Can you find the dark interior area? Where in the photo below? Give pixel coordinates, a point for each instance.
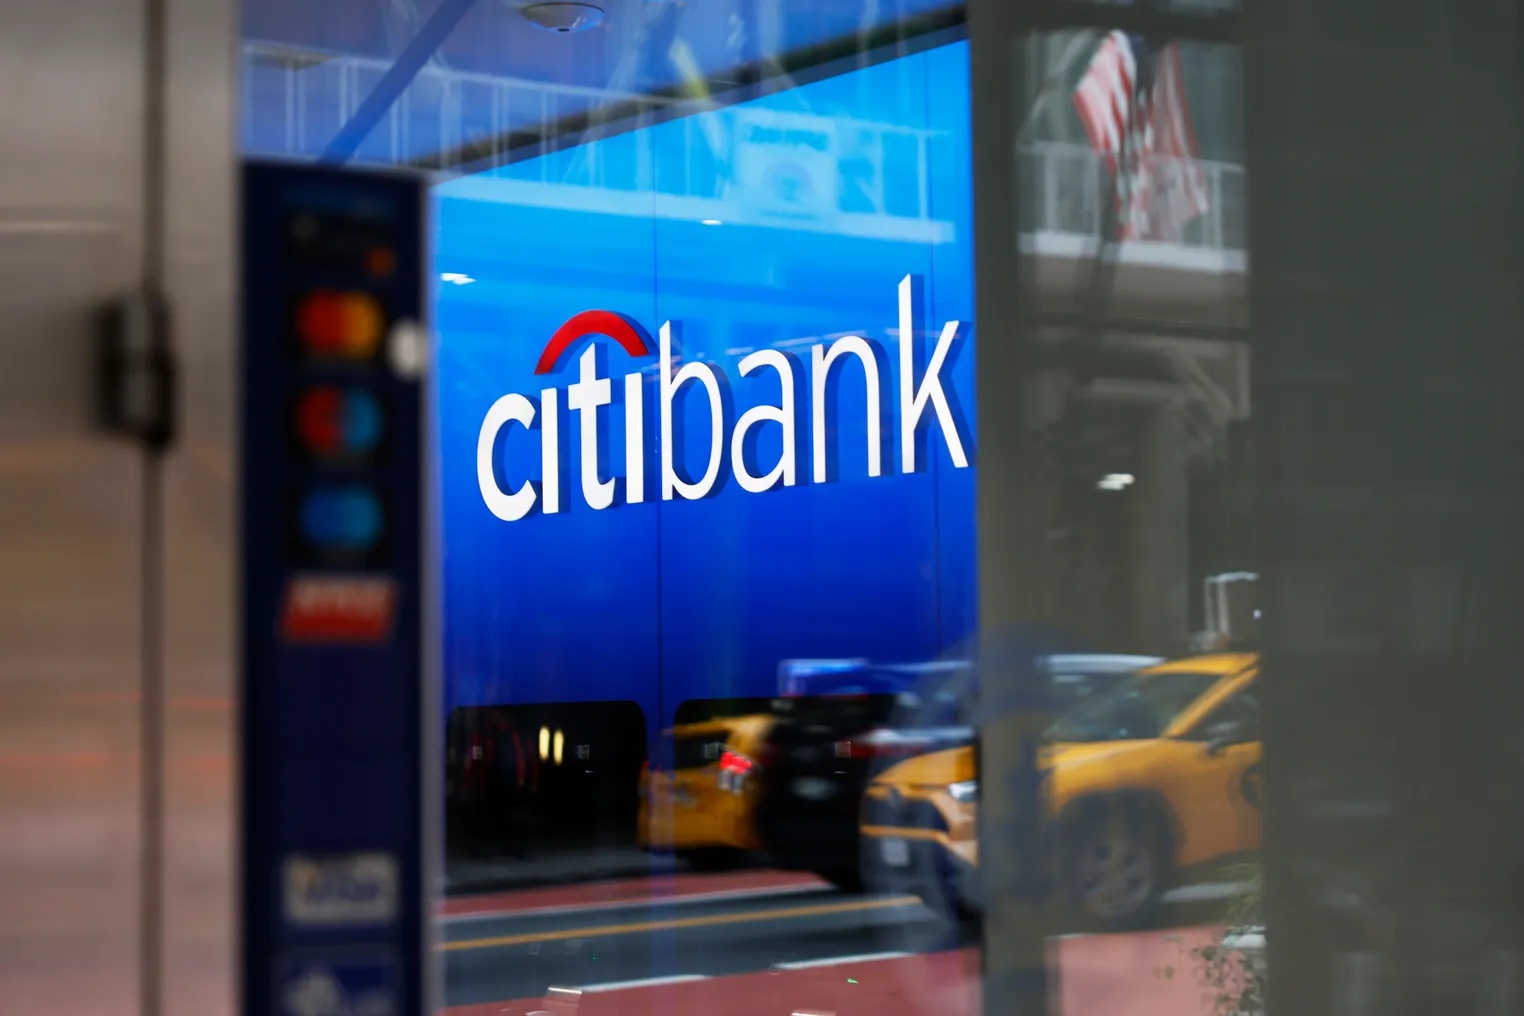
(525, 780)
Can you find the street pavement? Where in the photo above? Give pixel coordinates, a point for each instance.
(755, 943)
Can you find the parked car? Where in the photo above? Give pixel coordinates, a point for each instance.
(701, 809)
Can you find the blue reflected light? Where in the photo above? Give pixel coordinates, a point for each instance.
(663, 601)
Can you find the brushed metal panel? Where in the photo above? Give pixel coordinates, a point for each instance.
(70, 194)
(70, 229)
(198, 511)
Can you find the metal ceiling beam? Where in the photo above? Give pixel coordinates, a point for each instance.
(392, 84)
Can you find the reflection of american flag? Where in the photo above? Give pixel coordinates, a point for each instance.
(1130, 92)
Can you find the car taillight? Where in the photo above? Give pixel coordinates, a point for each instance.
(733, 769)
(735, 762)
(880, 744)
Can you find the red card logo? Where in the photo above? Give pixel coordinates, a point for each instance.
(338, 608)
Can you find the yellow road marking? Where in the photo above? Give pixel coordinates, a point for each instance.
(680, 922)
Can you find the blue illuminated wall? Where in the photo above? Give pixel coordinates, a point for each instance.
(670, 600)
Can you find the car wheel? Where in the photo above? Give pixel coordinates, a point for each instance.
(711, 860)
(929, 875)
(1116, 869)
(848, 880)
(942, 894)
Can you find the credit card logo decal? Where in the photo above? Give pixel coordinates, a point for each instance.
(346, 889)
(364, 984)
(341, 518)
(337, 422)
(339, 608)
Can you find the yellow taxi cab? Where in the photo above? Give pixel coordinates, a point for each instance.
(702, 808)
(1147, 782)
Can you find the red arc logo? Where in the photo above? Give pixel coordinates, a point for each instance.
(624, 330)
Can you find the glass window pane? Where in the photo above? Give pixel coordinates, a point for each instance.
(756, 590)
(708, 437)
(1127, 476)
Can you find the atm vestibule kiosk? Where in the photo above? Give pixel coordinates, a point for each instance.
(336, 730)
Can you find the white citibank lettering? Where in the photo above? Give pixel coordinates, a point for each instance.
(590, 393)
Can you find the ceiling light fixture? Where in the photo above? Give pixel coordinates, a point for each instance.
(1115, 481)
(563, 17)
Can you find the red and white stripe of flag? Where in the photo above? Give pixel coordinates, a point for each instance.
(1160, 186)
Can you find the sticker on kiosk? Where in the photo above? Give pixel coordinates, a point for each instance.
(363, 981)
(338, 608)
(343, 889)
(337, 325)
(339, 525)
(338, 424)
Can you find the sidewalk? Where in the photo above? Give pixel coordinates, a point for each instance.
(1099, 975)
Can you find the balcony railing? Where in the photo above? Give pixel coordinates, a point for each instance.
(1070, 193)
(295, 101)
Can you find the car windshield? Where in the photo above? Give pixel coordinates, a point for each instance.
(1140, 707)
(1070, 685)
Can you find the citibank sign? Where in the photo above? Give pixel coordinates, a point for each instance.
(590, 393)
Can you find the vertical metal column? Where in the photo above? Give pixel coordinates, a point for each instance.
(151, 707)
(1010, 510)
(200, 114)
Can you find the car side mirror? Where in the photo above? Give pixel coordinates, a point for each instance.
(1220, 736)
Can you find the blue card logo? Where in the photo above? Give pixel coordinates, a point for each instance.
(357, 985)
